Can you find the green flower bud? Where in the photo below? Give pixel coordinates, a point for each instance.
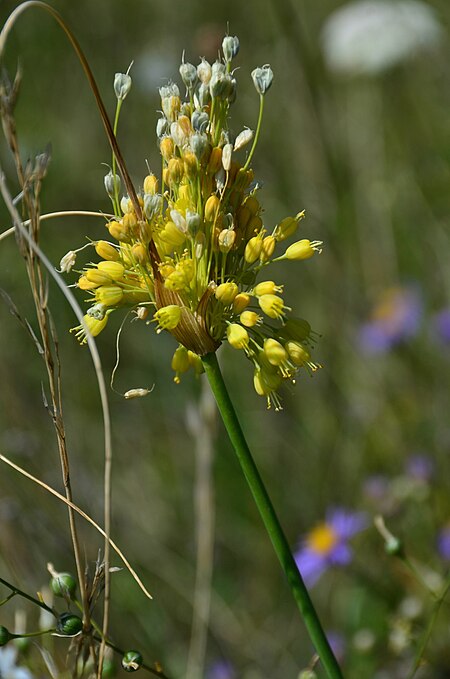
(69, 624)
(262, 78)
(394, 547)
(64, 584)
(132, 661)
(5, 636)
(122, 85)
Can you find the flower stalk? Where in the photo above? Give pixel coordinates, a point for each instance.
(269, 517)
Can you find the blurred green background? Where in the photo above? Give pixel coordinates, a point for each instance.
(367, 154)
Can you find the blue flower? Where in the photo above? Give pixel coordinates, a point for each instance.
(327, 544)
(221, 669)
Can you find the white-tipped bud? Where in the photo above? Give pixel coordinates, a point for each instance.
(226, 156)
(112, 184)
(217, 68)
(162, 127)
(203, 95)
(220, 178)
(262, 78)
(220, 85)
(152, 205)
(178, 134)
(204, 71)
(122, 85)
(188, 74)
(243, 139)
(169, 90)
(230, 47)
(68, 262)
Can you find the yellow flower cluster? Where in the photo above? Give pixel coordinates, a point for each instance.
(194, 253)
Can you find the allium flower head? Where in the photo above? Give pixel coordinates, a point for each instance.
(394, 319)
(327, 544)
(192, 244)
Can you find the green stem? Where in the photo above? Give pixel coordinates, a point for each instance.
(18, 591)
(258, 128)
(269, 517)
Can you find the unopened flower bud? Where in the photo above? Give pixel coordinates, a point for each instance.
(112, 184)
(132, 661)
(237, 336)
(162, 127)
(192, 221)
(220, 85)
(240, 302)
(188, 74)
(106, 251)
(204, 94)
(69, 624)
(226, 240)
(230, 47)
(262, 78)
(266, 288)
(150, 184)
(226, 156)
(211, 207)
(253, 250)
(226, 292)
(243, 139)
(288, 226)
(204, 71)
(122, 85)
(199, 144)
(63, 585)
(180, 362)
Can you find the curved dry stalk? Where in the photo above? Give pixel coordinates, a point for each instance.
(100, 381)
(52, 215)
(83, 514)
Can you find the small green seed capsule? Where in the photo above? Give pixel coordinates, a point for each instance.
(63, 585)
(69, 624)
(132, 661)
(5, 636)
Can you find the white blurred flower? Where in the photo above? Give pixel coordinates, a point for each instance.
(8, 667)
(370, 36)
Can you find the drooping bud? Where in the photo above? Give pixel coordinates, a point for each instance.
(200, 121)
(180, 362)
(122, 85)
(297, 353)
(262, 78)
(250, 318)
(275, 352)
(272, 305)
(237, 336)
(112, 184)
(68, 262)
(106, 251)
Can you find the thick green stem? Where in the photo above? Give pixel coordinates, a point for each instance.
(269, 517)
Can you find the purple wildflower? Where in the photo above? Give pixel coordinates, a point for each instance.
(442, 325)
(419, 467)
(443, 542)
(327, 544)
(394, 319)
(221, 669)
